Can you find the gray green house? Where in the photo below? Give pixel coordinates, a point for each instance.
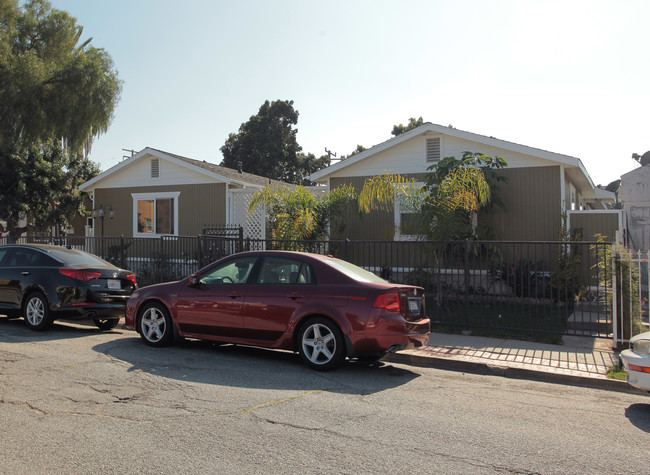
(541, 186)
(156, 193)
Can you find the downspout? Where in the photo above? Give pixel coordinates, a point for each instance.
(228, 205)
(562, 190)
(94, 207)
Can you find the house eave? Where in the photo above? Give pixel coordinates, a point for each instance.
(321, 176)
(185, 162)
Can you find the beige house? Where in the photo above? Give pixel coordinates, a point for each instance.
(156, 193)
(541, 186)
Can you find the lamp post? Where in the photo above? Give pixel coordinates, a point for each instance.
(100, 212)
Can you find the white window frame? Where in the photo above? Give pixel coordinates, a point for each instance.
(154, 196)
(398, 236)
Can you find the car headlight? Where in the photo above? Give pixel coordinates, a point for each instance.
(642, 347)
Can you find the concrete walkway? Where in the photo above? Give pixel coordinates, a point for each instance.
(579, 361)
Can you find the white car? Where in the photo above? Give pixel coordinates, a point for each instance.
(637, 361)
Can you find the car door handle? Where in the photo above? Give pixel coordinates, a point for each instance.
(234, 295)
(294, 296)
(26, 273)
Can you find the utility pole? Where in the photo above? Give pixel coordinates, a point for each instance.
(128, 150)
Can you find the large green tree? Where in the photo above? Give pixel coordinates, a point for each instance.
(267, 145)
(401, 128)
(51, 85)
(41, 186)
(56, 95)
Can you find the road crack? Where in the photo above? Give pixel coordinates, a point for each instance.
(280, 401)
(30, 406)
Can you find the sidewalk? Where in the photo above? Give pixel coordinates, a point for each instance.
(580, 361)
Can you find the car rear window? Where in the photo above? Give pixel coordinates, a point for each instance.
(74, 257)
(354, 272)
(24, 257)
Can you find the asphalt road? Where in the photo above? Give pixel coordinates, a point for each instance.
(75, 400)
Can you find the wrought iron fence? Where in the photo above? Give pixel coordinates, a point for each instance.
(577, 288)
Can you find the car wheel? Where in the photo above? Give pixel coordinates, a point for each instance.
(36, 312)
(321, 344)
(105, 324)
(155, 325)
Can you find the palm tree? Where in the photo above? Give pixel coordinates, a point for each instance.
(454, 190)
(295, 213)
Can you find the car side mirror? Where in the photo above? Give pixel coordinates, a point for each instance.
(194, 279)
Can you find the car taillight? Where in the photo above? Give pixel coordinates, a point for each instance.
(388, 301)
(640, 369)
(80, 274)
(131, 278)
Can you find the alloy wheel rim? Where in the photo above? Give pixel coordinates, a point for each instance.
(319, 344)
(35, 311)
(153, 325)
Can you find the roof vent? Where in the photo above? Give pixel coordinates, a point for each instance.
(239, 167)
(433, 149)
(155, 168)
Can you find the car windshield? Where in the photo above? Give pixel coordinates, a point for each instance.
(74, 257)
(355, 272)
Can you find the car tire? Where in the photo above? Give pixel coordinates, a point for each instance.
(36, 312)
(106, 324)
(321, 344)
(155, 325)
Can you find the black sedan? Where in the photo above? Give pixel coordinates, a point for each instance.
(43, 283)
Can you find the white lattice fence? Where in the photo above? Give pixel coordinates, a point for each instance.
(253, 224)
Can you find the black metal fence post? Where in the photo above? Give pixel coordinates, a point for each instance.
(199, 246)
(467, 281)
(122, 252)
(160, 258)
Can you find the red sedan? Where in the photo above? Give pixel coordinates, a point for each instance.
(322, 307)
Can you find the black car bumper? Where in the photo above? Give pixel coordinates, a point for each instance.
(90, 312)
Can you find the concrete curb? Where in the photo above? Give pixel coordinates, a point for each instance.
(510, 372)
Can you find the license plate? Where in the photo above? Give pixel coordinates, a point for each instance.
(414, 306)
(114, 284)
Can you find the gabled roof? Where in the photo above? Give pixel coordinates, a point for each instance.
(579, 174)
(217, 172)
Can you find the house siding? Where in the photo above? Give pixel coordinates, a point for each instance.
(532, 198)
(591, 223)
(376, 225)
(198, 205)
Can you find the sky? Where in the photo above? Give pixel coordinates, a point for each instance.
(566, 76)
